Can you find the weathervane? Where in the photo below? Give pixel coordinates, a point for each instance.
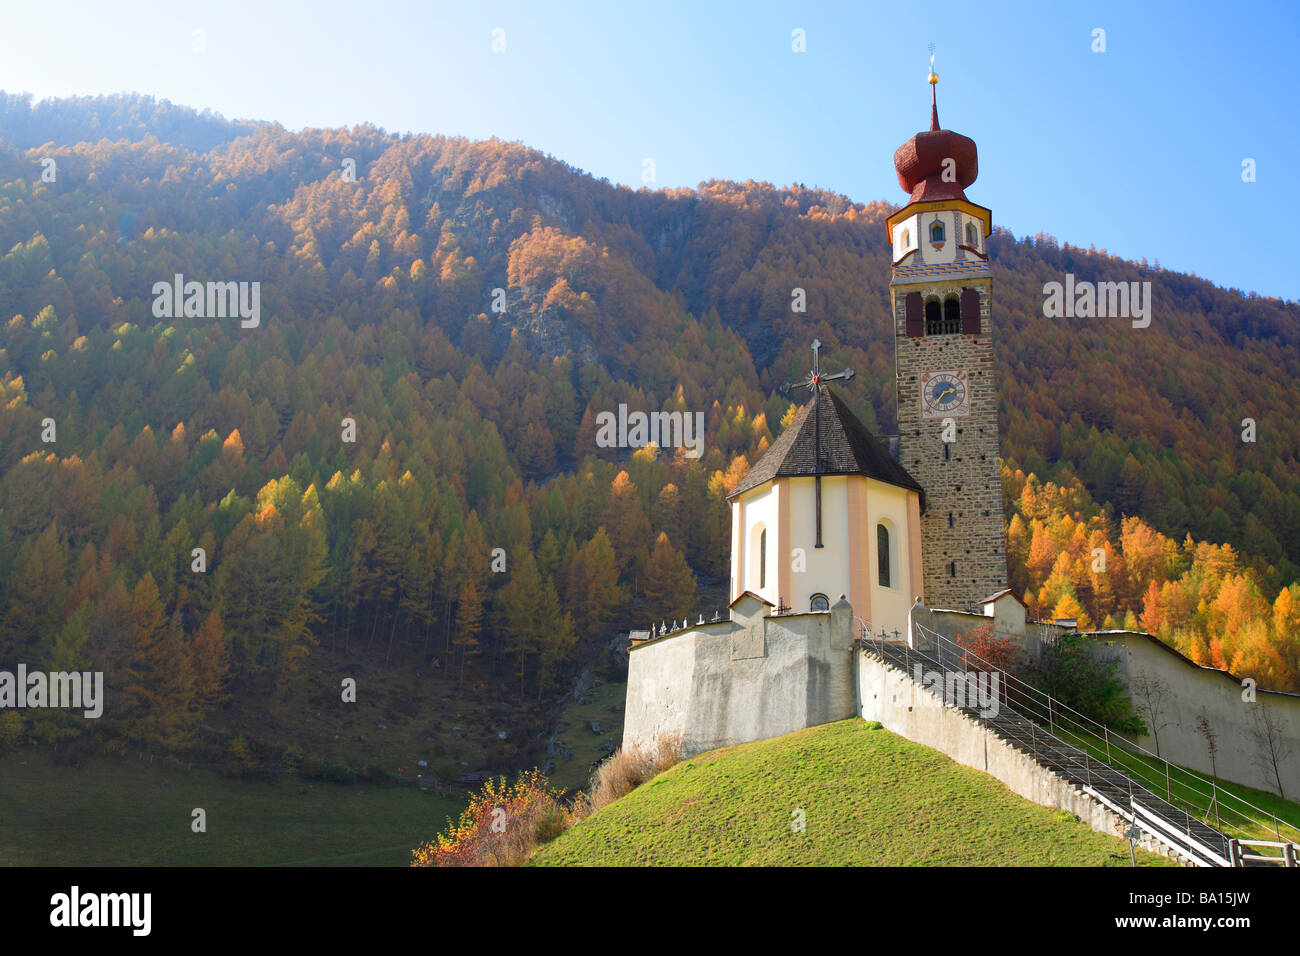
(815, 381)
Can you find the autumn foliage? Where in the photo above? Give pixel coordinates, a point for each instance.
(500, 826)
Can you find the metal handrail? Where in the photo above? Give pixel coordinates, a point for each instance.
(1055, 707)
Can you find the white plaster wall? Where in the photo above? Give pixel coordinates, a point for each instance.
(910, 226)
(889, 606)
(761, 508)
(949, 251)
(689, 683)
(827, 567)
(1195, 691)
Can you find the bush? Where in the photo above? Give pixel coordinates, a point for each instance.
(982, 648)
(1069, 672)
(625, 770)
(501, 826)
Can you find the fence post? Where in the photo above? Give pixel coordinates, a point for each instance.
(1169, 795)
(1234, 851)
(1289, 854)
(1106, 733)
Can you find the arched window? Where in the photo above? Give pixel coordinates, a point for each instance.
(933, 317)
(820, 602)
(762, 558)
(951, 315)
(882, 555)
(936, 231)
(952, 569)
(906, 241)
(972, 239)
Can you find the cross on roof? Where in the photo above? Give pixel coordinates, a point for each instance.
(816, 381)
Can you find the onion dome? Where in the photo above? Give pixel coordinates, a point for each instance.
(920, 161)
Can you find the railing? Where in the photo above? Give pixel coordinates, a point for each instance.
(1074, 744)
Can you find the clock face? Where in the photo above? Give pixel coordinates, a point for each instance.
(944, 394)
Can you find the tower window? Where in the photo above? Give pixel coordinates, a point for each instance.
(933, 317)
(971, 237)
(882, 555)
(936, 231)
(950, 521)
(952, 569)
(762, 559)
(947, 451)
(951, 315)
(820, 602)
(906, 240)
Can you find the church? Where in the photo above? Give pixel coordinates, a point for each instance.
(834, 530)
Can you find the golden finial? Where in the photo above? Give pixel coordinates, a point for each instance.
(934, 77)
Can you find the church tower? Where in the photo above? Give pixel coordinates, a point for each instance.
(941, 291)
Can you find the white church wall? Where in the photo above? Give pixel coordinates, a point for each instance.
(889, 606)
(826, 568)
(740, 681)
(761, 511)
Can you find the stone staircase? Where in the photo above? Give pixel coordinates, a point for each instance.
(1188, 837)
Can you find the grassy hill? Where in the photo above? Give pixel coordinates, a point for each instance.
(869, 798)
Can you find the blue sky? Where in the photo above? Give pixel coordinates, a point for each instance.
(1137, 150)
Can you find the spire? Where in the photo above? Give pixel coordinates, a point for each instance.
(934, 103)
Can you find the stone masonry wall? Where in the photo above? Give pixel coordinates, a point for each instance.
(968, 485)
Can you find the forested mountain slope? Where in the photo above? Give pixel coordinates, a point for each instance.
(472, 306)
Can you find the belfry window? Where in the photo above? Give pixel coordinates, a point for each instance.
(820, 602)
(906, 240)
(936, 231)
(971, 239)
(943, 318)
(882, 555)
(762, 559)
(933, 317)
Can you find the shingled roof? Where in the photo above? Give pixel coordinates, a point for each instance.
(847, 449)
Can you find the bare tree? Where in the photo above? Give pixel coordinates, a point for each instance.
(1152, 691)
(1211, 742)
(1272, 743)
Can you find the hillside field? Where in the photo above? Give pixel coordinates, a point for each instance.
(868, 798)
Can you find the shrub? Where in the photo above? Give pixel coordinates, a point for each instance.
(501, 825)
(625, 770)
(986, 649)
(1069, 672)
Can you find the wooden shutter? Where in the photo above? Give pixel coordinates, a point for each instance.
(970, 312)
(915, 319)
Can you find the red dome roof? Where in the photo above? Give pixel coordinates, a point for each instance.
(920, 162)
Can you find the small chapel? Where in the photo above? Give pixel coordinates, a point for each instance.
(835, 529)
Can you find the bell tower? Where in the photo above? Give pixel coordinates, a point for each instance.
(941, 289)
